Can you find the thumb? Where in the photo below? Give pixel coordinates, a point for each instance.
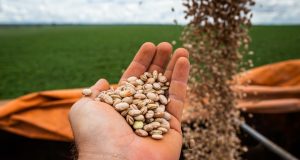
(99, 86)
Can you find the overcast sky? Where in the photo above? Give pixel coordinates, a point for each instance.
(129, 11)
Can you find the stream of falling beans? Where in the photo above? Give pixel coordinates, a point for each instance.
(217, 38)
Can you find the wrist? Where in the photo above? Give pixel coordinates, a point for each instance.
(100, 156)
(87, 152)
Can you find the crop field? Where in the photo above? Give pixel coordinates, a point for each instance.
(57, 57)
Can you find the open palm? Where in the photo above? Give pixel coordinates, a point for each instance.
(102, 133)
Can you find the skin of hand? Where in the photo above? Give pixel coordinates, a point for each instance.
(100, 132)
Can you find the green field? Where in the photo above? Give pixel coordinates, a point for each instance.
(43, 58)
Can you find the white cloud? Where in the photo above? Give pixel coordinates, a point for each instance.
(277, 12)
(128, 11)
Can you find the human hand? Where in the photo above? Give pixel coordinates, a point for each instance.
(100, 132)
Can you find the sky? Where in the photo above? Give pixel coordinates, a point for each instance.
(129, 11)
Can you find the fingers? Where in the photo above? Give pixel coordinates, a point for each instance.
(180, 52)
(175, 124)
(178, 87)
(99, 86)
(141, 61)
(161, 58)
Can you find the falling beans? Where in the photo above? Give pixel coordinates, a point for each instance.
(216, 37)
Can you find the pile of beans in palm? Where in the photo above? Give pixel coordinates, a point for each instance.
(142, 102)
